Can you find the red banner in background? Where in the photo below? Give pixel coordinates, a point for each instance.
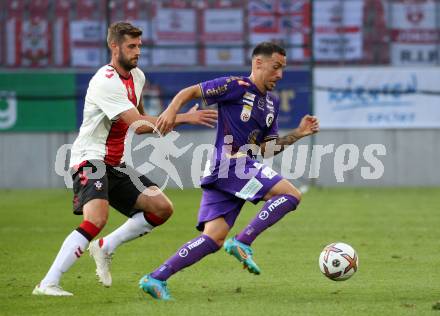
(14, 23)
(37, 35)
(61, 37)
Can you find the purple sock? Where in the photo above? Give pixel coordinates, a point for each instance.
(272, 211)
(187, 255)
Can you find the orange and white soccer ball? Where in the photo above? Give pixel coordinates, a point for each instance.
(338, 261)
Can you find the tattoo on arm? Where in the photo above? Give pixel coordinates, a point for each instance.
(288, 139)
(275, 146)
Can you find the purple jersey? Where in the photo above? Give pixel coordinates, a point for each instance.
(245, 116)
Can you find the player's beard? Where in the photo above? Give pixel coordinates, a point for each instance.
(127, 64)
(270, 86)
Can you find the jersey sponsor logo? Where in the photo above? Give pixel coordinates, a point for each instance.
(217, 91)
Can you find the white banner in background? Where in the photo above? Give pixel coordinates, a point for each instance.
(223, 27)
(174, 26)
(338, 29)
(377, 97)
(87, 41)
(414, 33)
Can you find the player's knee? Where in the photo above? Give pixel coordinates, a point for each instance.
(162, 212)
(166, 209)
(295, 193)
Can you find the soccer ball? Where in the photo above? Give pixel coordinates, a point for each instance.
(338, 261)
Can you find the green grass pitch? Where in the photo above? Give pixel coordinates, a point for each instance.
(395, 232)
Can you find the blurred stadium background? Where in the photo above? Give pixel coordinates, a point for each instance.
(368, 68)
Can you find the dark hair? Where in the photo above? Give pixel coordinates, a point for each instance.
(117, 30)
(267, 49)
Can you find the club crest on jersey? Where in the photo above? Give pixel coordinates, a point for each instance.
(98, 185)
(269, 119)
(246, 112)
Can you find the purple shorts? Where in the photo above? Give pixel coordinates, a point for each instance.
(224, 197)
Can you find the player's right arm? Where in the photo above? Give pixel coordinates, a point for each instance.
(212, 91)
(166, 120)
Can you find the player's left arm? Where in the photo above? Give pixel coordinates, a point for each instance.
(309, 125)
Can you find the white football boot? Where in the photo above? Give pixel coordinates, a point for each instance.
(103, 262)
(51, 290)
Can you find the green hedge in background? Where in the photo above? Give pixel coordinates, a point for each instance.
(40, 102)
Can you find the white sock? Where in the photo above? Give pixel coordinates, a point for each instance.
(73, 247)
(134, 227)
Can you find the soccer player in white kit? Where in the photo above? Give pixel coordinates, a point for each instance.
(100, 178)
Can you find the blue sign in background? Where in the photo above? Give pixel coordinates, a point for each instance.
(293, 90)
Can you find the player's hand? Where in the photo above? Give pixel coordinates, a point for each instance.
(203, 117)
(309, 125)
(166, 121)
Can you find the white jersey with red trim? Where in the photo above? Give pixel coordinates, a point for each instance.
(102, 132)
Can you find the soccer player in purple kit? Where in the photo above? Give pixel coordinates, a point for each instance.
(247, 117)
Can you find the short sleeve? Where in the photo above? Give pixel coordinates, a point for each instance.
(110, 96)
(222, 89)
